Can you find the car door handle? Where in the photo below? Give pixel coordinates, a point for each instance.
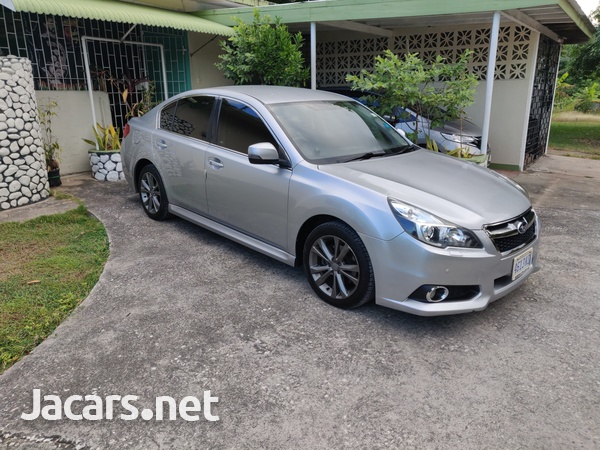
(216, 163)
(161, 144)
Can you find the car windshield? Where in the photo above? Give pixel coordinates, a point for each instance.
(327, 132)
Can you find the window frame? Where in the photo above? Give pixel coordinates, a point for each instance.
(211, 131)
(284, 159)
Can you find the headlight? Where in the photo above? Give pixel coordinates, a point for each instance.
(463, 139)
(431, 230)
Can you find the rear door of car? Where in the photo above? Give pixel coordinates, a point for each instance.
(252, 198)
(180, 142)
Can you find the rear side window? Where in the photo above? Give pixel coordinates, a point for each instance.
(166, 116)
(240, 126)
(190, 118)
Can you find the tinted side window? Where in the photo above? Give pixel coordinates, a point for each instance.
(192, 117)
(240, 126)
(166, 116)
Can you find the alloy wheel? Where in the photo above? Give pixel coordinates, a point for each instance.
(334, 267)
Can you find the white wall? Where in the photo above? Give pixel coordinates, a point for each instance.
(73, 122)
(511, 101)
(508, 119)
(202, 61)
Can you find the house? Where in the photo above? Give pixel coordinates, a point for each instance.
(516, 46)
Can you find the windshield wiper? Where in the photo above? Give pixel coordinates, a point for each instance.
(404, 149)
(367, 155)
(390, 152)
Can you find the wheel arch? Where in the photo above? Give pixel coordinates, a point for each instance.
(137, 170)
(306, 228)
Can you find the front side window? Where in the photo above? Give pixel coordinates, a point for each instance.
(240, 126)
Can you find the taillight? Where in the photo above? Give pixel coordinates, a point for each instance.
(125, 130)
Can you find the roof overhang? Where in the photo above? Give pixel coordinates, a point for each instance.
(562, 20)
(197, 5)
(116, 11)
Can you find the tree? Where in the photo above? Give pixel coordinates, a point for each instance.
(584, 59)
(263, 53)
(440, 91)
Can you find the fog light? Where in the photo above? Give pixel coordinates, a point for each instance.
(437, 294)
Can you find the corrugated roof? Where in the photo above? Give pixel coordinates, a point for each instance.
(115, 11)
(565, 18)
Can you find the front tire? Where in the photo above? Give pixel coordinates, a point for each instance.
(152, 193)
(337, 266)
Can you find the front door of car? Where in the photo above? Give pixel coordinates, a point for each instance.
(180, 143)
(252, 198)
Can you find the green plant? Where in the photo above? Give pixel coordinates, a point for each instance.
(52, 148)
(263, 53)
(563, 98)
(129, 91)
(440, 91)
(586, 98)
(145, 104)
(107, 139)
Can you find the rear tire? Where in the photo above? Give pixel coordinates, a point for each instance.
(338, 267)
(152, 193)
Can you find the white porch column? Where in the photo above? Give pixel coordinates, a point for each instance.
(489, 85)
(313, 55)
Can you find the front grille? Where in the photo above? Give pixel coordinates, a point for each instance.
(506, 236)
(477, 142)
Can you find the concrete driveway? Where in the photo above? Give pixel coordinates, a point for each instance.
(179, 310)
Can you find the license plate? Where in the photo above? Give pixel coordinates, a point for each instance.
(521, 263)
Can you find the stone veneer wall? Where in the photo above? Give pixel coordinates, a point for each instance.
(106, 166)
(23, 175)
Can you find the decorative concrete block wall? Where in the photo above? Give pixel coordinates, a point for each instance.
(23, 175)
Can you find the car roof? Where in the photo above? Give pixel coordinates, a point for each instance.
(268, 94)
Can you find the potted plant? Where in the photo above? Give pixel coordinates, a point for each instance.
(105, 154)
(52, 148)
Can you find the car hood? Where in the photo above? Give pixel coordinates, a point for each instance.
(454, 190)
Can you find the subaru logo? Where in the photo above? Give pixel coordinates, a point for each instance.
(522, 226)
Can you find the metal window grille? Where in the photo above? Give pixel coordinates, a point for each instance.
(54, 46)
(541, 99)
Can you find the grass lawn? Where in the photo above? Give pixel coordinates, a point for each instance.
(576, 134)
(48, 266)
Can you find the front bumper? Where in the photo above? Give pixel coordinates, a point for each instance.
(403, 265)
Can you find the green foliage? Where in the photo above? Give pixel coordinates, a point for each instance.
(563, 98)
(440, 91)
(586, 98)
(584, 59)
(263, 53)
(142, 106)
(463, 153)
(107, 139)
(52, 148)
(47, 267)
(431, 144)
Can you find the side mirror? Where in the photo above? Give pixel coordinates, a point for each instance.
(401, 131)
(390, 118)
(263, 153)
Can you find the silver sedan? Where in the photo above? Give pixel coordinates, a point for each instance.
(316, 179)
